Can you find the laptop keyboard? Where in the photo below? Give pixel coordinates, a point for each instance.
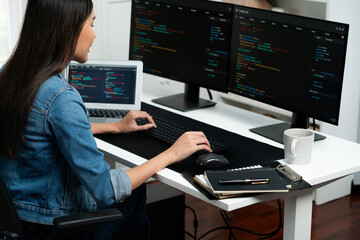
(169, 132)
(107, 113)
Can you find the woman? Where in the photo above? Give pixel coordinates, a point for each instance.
(48, 156)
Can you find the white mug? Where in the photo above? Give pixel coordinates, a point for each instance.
(298, 145)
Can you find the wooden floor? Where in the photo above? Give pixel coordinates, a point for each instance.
(339, 219)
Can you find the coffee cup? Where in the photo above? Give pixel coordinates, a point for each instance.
(298, 145)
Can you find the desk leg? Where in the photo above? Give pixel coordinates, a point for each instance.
(297, 216)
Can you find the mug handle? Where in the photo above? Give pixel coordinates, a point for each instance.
(293, 146)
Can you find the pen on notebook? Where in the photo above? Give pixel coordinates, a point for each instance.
(245, 181)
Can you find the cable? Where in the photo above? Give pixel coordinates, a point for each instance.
(190, 235)
(210, 95)
(226, 220)
(195, 223)
(280, 224)
(263, 235)
(314, 125)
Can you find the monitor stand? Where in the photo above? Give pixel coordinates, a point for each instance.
(187, 101)
(276, 132)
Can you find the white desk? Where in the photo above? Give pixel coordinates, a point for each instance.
(332, 158)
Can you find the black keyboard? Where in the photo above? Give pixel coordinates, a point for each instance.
(169, 132)
(107, 113)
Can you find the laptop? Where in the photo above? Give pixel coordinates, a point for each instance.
(109, 89)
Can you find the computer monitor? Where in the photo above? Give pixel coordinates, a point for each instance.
(187, 41)
(291, 62)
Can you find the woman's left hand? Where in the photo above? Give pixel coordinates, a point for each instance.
(128, 123)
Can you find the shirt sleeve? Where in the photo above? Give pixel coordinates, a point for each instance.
(120, 182)
(69, 123)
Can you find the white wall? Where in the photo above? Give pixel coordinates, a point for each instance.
(358, 137)
(112, 28)
(96, 51)
(16, 11)
(347, 11)
(349, 126)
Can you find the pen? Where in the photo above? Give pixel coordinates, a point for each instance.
(245, 181)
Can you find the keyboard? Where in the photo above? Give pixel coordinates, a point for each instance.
(107, 113)
(169, 132)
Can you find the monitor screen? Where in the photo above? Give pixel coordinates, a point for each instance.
(187, 41)
(291, 62)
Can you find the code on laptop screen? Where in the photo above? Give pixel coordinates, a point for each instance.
(101, 84)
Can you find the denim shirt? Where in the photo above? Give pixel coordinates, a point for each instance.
(59, 170)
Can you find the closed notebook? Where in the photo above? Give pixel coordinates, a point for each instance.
(200, 179)
(274, 184)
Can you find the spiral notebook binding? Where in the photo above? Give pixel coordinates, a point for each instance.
(245, 168)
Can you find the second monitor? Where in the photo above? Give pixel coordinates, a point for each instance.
(291, 62)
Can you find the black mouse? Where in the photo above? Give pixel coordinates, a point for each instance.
(212, 160)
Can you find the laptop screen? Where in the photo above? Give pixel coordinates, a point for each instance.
(107, 83)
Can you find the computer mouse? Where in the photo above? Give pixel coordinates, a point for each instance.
(212, 160)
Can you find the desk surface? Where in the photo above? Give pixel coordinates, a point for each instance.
(332, 158)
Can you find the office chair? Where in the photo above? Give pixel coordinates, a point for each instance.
(64, 227)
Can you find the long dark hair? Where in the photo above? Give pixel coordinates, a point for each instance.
(45, 47)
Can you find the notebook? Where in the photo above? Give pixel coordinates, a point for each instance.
(109, 89)
(274, 183)
(201, 180)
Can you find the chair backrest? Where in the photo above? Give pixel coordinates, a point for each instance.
(9, 218)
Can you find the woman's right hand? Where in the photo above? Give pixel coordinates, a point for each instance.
(188, 144)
